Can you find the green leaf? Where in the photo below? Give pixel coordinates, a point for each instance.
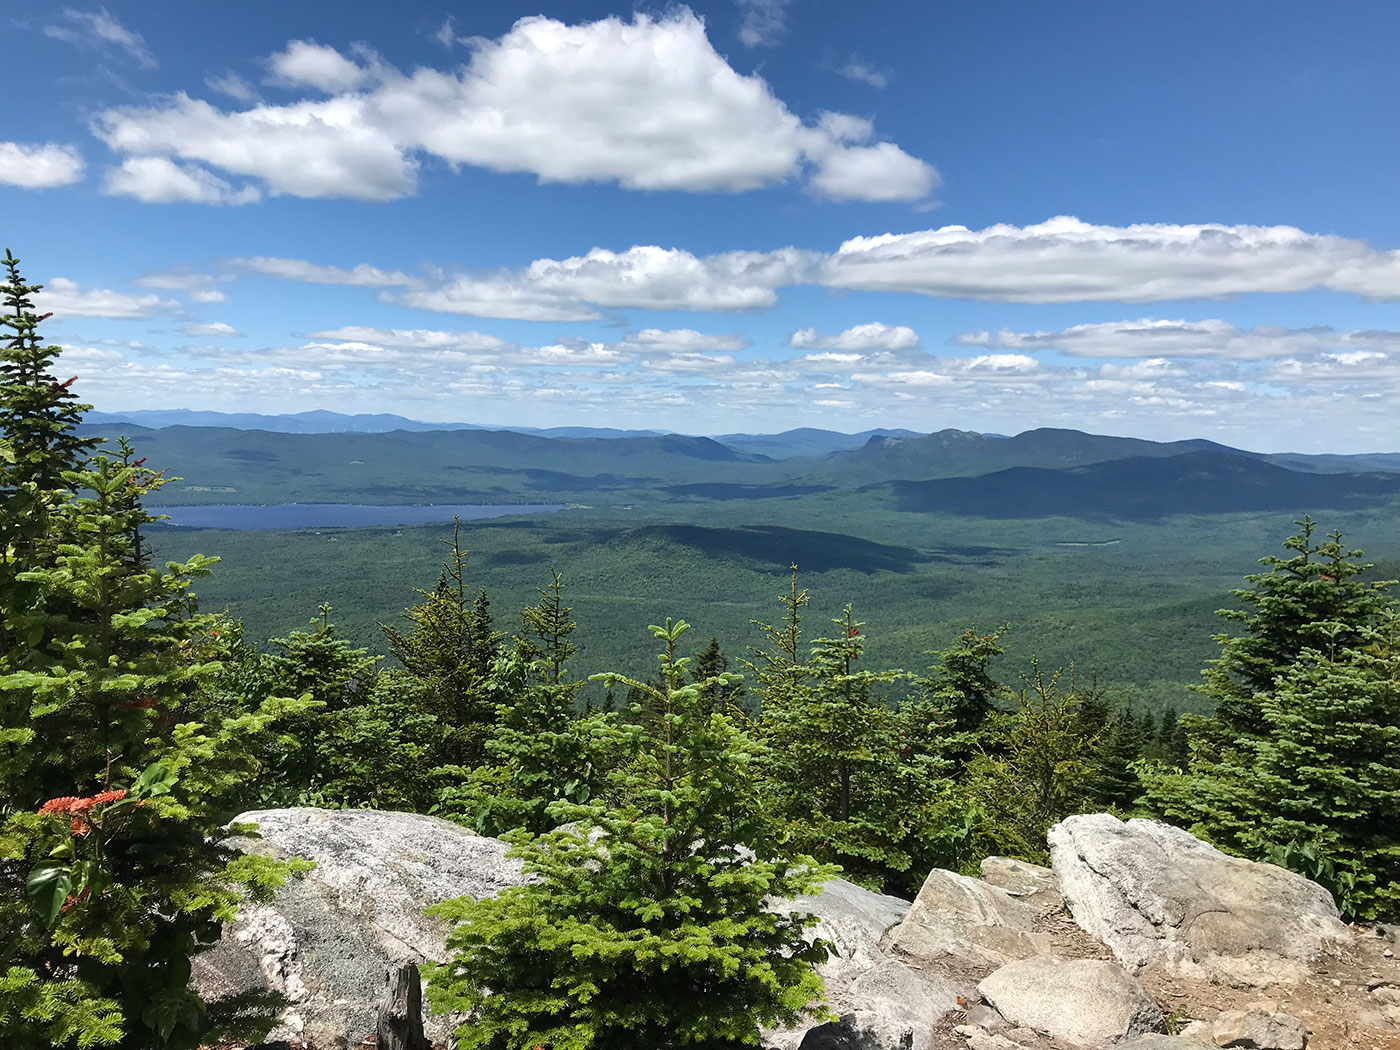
(47, 887)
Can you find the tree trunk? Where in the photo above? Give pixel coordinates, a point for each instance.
(401, 1011)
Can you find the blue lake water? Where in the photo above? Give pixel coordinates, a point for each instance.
(337, 515)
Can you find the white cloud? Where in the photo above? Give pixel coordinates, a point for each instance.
(361, 276)
(198, 286)
(764, 22)
(65, 298)
(159, 180)
(1066, 260)
(37, 167)
(643, 277)
(305, 63)
(415, 338)
(100, 30)
(683, 340)
(325, 148)
(232, 85)
(862, 71)
(863, 338)
(217, 329)
(648, 104)
(1150, 337)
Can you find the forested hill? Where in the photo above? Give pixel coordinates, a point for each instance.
(1038, 472)
(1143, 489)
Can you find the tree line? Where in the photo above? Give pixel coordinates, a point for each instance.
(661, 821)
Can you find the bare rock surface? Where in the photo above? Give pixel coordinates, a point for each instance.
(1157, 895)
(1253, 1030)
(1164, 1042)
(1089, 1003)
(967, 925)
(883, 1002)
(1030, 883)
(327, 938)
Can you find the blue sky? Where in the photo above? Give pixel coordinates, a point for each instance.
(1160, 219)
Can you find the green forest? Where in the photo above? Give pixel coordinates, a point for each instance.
(833, 711)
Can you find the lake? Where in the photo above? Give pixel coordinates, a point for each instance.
(337, 515)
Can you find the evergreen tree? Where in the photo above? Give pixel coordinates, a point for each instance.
(845, 775)
(649, 925)
(1311, 606)
(450, 647)
(1114, 781)
(110, 875)
(539, 751)
(779, 667)
(1288, 610)
(956, 706)
(1039, 773)
(711, 664)
(336, 679)
(38, 420)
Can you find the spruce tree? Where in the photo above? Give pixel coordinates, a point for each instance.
(539, 752)
(650, 924)
(1040, 772)
(449, 648)
(1288, 610)
(848, 777)
(956, 705)
(111, 878)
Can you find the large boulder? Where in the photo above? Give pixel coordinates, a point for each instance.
(1155, 894)
(326, 939)
(964, 924)
(883, 1003)
(1037, 886)
(1088, 1003)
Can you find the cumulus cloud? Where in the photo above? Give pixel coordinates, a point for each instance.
(648, 104)
(38, 167)
(763, 22)
(324, 148)
(305, 63)
(159, 180)
(66, 298)
(1066, 260)
(215, 329)
(643, 277)
(1165, 338)
(414, 338)
(361, 276)
(863, 338)
(100, 31)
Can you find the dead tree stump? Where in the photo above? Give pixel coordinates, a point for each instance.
(400, 1024)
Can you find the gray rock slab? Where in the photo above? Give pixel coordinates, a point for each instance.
(327, 938)
(1155, 894)
(1034, 885)
(962, 924)
(1256, 1030)
(883, 1002)
(1088, 1003)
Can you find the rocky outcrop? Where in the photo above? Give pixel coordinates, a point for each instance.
(326, 939)
(1030, 883)
(882, 1001)
(1252, 1030)
(1155, 894)
(965, 924)
(1087, 1003)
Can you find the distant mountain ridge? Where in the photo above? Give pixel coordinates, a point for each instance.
(1143, 488)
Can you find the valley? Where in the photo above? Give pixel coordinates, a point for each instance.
(1109, 553)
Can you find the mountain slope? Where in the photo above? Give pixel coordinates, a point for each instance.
(1143, 489)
